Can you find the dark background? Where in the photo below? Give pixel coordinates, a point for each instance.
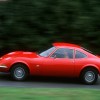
(33, 25)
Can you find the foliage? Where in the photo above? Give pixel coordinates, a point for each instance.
(35, 24)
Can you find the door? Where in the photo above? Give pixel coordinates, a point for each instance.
(60, 63)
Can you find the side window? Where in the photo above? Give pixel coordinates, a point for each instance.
(63, 53)
(80, 55)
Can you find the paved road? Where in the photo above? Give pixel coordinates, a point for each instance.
(41, 82)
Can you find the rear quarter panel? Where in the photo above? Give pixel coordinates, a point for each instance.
(80, 64)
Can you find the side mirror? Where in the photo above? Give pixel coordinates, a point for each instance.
(54, 57)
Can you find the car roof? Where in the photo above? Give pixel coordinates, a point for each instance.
(60, 44)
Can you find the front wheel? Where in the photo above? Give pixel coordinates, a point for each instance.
(89, 76)
(19, 72)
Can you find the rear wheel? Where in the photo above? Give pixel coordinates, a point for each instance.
(89, 76)
(19, 72)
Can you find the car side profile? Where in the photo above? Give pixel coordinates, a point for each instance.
(61, 60)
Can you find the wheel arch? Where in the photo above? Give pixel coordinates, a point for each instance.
(90, 66)
(26, 66)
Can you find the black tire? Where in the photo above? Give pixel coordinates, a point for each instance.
(89, 76)
(19, 72)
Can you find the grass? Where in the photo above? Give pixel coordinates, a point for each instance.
(48, 94)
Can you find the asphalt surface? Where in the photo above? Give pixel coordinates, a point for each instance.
(45, 82)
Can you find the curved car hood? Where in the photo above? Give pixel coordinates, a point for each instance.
(22, 54)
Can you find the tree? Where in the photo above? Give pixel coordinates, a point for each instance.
(35, 24)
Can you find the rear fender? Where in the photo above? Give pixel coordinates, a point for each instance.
(92, 66)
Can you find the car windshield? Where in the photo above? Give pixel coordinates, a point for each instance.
(47, 52)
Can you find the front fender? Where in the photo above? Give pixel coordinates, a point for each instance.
(15, 61)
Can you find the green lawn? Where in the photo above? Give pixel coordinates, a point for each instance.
(48, 94)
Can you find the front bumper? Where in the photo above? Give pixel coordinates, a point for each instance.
(3, 66)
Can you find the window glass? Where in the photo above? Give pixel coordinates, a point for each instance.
(80, 55)
(63, 53)
(47, 52)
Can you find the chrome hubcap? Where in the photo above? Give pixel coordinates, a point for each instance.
(19, 72)
(89, 76)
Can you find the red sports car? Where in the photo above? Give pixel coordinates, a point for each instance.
(61, 60)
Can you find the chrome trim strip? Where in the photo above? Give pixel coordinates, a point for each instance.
(3, 66)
